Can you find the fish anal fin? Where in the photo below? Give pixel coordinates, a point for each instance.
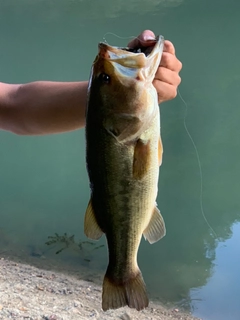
(131, 292)
(160, 151)
(91, 227)
(141, 159)
(156, 227)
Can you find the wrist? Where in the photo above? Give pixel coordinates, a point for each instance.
(8, 93)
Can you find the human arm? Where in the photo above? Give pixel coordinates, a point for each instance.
(42, 107)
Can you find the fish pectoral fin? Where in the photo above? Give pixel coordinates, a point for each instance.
(91, 227)
(141, 159)
(160, 151)
(156, 227)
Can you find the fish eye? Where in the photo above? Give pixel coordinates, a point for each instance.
(104, 78)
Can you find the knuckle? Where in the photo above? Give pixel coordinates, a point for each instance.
(166, 58)
(180, 65)
(160, 73)
(179, 79)
(173, 94)
(169, 47)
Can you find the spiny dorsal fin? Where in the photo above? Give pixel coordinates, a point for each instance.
(156, 227)
(91, 227)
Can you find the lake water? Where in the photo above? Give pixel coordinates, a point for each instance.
(44, 186)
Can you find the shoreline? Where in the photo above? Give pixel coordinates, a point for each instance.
(30, 292)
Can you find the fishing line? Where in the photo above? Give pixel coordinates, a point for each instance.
(124, 38)
(115, 35)
(199, 165)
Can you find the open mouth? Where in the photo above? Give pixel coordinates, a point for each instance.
(146, 50)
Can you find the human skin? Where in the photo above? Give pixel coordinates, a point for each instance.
(45, 107)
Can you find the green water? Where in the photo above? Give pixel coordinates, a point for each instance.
(44, 185)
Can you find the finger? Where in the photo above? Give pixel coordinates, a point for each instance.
(145, 39)
(171, 62)
(168, 76)
(165, 91)
(169, 47)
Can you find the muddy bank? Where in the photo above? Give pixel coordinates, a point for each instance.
(27, 292)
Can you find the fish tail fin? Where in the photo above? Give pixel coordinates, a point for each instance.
(131, 292)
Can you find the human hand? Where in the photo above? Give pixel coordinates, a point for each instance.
(167, 77)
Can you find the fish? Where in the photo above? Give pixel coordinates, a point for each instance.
(123, 155)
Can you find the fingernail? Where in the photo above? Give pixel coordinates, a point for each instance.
(148, 38)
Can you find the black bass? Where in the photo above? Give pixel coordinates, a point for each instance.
(124, 152)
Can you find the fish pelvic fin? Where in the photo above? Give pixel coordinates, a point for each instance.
(156, 227)
(91, 227)
(131, 293)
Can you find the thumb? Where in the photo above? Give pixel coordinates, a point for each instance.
(145, 39)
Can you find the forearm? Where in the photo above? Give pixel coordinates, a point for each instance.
(43, 107)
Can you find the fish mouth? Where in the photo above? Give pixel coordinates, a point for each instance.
(139, 62)
(146, 50)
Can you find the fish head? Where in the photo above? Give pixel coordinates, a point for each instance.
(121, 80)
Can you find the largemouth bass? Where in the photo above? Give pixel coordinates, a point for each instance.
(124, 152)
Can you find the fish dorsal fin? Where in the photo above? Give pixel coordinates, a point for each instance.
(156, 227)
(91, 227)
